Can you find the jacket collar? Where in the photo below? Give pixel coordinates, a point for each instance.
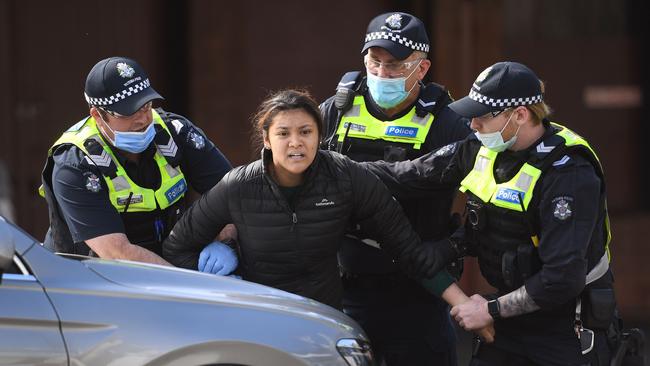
(266, 157)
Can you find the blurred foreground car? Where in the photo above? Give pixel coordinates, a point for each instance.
(58, 310)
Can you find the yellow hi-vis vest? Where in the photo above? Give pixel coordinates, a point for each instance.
(408, 129)
(125, 195)
(517, 193)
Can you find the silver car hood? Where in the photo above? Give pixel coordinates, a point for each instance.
(188, 285)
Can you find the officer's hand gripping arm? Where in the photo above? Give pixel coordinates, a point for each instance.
(454, 296)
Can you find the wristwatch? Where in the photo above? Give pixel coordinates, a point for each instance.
(494, 309)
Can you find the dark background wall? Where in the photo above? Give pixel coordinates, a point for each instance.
(214, 61)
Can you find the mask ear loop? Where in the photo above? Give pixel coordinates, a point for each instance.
(506, 125)
(415, 83)
(104, 123)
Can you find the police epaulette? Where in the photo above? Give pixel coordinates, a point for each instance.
(100, 158)
(432, 99)
(346, 89)
(553, 149)
(546, 151)
(167, 146)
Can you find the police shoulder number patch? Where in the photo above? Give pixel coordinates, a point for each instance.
(562, 208)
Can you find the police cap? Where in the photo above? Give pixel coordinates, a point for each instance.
(398, 33)
(119, 84)
(500, 86)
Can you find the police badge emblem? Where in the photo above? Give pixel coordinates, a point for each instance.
(562, 210)
(125, 70)
(483, 75)
(197, 140)
(92, 183)
(394, 21)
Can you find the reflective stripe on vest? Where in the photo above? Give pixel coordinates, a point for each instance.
(509, 195)
(408, 129)
(172, 186)
(480, 181)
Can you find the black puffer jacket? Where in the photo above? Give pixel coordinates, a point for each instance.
(292, 245)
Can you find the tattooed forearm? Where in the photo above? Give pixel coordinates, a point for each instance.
(516, 303)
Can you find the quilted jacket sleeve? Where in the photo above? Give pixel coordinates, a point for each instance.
(199, 226)
(380, 215)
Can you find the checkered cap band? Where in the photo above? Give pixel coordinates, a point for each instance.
(134, 89)
(509, 102)
(416, 46)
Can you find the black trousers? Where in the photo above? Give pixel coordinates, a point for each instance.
(489, 355)
(406, 325)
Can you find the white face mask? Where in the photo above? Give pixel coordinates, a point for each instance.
(494, 140)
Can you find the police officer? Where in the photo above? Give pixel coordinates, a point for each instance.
(537, 221)
(389, 114)
(115, 181)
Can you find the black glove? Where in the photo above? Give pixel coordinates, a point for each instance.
(431, 257)
(465, 241)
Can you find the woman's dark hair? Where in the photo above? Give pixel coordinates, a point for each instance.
(280, 101)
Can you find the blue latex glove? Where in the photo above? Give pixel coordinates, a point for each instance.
(217, 258)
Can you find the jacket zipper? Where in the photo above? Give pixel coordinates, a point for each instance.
(294, 219)
(288, 205)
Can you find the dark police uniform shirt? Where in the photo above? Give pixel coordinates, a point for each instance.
(89, 213)
(564, 238)
(407, 312)
(446, 128)
(429, 218)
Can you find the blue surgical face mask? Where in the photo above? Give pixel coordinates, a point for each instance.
(133, 142)
(494, 140)
(387, 92)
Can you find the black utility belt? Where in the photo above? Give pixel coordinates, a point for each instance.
(598, 306)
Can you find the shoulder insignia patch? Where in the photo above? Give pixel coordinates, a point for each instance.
(92, 182)
(565, 159)
(542, 148)
(169, 149)
(178, 126)
(425, 104)
(196, 139)
(562, 208)
(103, 159)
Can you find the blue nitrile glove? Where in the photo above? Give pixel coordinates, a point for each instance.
(217, 258)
